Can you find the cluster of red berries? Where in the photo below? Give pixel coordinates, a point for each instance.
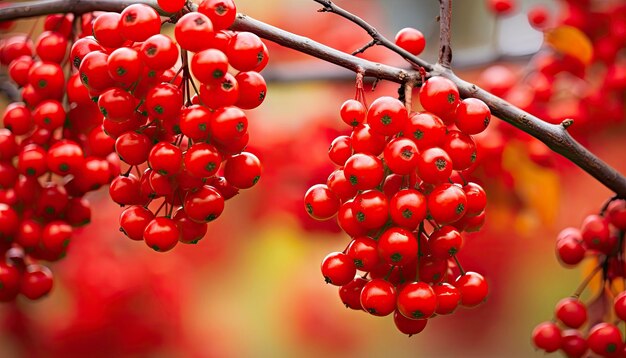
(52, 152)
(395, 196)
(157, 115)
(602, 238)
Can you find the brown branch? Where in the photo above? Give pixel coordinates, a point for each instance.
(554, 136)
(331, 7)
(445, 33)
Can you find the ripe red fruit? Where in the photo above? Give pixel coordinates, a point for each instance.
(397, 246)
(605, 339)
(171, 6)
(387, 116)
(338, 269)
(350, 293)
(440, 96)
(165, 158)
(569, 246)
(9, 282)
(159, 52)
(476, 199)
(125, 190)
(51, 46)
(106, 30)
(17, 118)
(434, 166)
(246, 51)
(364, 140)
(221, 12)
(209, 65)
(411, 40)
(547, 336)
(346, 218)
(407, 208)
(36, 282)
(194, 32)
(378, 297)
(571, 312)
(64, 157)
(445, 242)
(363, 250)
(340, 150)
(164, 101)
(49, 114)
(461, 149)
(401, 155)
(364, 171)
(353, 112)
(573, 344)
(56, 236)
(407, 325)
(124, 66)
(339, 184)
(371, 209)
(320, 202)
(138, 22)
(243, 170)
(473, 288)
(161, 234)
(472, 116)
(447, 203)
(190, 231)
(619, 305)
(616, 214)
(133, 148)
(202, 160)
(595, 233)
(417, 300)
(204, 205)
(448, 298)
(133, 221)
(228, 124)
(252, 89)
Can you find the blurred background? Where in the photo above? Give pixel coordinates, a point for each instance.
(252, 287)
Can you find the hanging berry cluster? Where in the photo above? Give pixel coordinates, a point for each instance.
(127, 95)
(601, 238)
(394, 194)
(150, 112)
(53, 151)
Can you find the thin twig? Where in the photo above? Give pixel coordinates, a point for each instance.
(445, 33)
(364, 47)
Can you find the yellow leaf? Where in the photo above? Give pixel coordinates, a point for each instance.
(570, 41)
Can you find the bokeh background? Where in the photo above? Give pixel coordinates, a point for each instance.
(252, 286)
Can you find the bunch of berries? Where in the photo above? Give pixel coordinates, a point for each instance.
(394, 194)
(600, 238)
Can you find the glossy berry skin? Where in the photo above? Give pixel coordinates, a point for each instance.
(338, 269)
(51, 46)
(36, 282)
(440, 96)
(447, 203)
(204, 205)
(476, 199)
(445, 242)
(411, 40)
(595, 233)
(171, 6)
(605, 339)
(573, 344)
(571, 312)
(340, 150)
(190, 231)
(9, 282)
(472, 116)
(448, 298)
(364, 140)
(252, 89)
(350, 293)
(401, 155)
(616, 214)
(124, 66)
(387, 116)
(407, 325)
(245, 51)
(397, 246)
(417, 300)
(371, 209)
(133, 221)
(17, 118)
(133, 148)
(461, 149)
(202, 160)
(339, 184)
(320, 202)
(161, 234)
(363, 250)
(346, 218)
(65, 157)
(125, 190)
(159, 52)
(619, 305)
(165, 158)
(364, 171)
(473, 288)
(352, 112)
(547, 336)
(569, 247)
(407, 208)
(164, 101)
(378, 297)
(138, 22)
(209, 65)
(243, 170)
(221, 12)
(194, 32)
(434, 166)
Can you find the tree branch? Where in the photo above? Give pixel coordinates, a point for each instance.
(445, 24)
(554, 136)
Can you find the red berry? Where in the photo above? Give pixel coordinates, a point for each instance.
(407, 325)
(133, 221)
(620, 305)
(447, 203)
(378, 297)
(571, 312)
(417, 300)
(573, 344)
(243, 170)
(440, 96)
(569, 246)
(397, 246)
(204, 205)
(138, 22)
(472, 116)
(407, 208)
(338, 269)
(387, 116)
(434, 166)
(411, 40)
(371, 209)
(401, 156)
(363, 250)
(194, 32)
(605, 339)
(320, 202)
(547, 336)
(221, 12)
(353, 112)
(350, 293)
(445, 242)
(473, 288)
(36, 282)
(161, 234)
(448, 298)
(364, 171)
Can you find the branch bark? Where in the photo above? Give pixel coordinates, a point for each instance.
(554, 136)
(445, 33)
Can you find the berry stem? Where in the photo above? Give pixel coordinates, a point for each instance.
(389, 273)
(588, 279)
(458, 264)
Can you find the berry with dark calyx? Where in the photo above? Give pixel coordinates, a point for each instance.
(407, 208)
(434, 166)
(605, 339)
(569, 247)
(338, 269)
(320, 202)
(161, 234)
(473, 288)
(447, 203)
(372, 209)
(397, 246)
(417, 300)
(387, 116)
(401, 155)
(171, 6)
(378, 297)
(203, 205)
(350, 293)
(221, 12)
(340, 150)
(407, 325)
(190, 231)
(138, 22)
(440, 96)
(353, 112)
(364, 171)
(595, 233)
(133, 221)
(445, 242)
(472, 116)
(243, 170)
(364, 251)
